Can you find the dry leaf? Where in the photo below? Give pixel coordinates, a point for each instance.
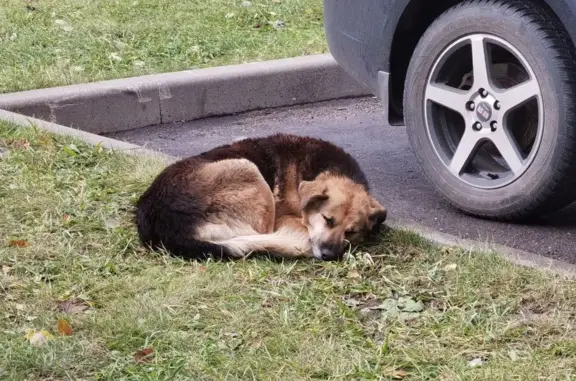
(38, 338)
(66, 217)
(396, 374)
(18, 243)
(475, 362)
(202, 269)
(111, 223)
(64, 25)
(143, 355)
(20, 143)
(64, 328)
(450, 267)
(354, 274)
(257, 344)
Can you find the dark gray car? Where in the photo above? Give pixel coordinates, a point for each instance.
(486, 89)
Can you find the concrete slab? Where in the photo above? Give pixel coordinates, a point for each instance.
(131, 103)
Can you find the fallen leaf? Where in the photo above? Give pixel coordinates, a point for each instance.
(409, 305)
(257, 344)
(20, 143)
(387, 304)
(475, 362)
(111, 223)
(143, 355)
(114, 57)
(202, 269)
(450, 267)
(396, 374)
(71, 150)
(64, 328)
(64, 25)
(354, 274)
(38, 338)
(66, 217)
(18, 243)
(513, 355)
(352, 302)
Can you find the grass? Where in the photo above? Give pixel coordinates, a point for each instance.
(58, 42)
(69, 252)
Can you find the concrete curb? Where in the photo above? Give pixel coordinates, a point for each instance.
(124, 104)
(92, 139)
(519, 257)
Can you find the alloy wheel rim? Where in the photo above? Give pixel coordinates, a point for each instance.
(483, 111)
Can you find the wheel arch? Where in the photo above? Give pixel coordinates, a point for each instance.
(413, 23)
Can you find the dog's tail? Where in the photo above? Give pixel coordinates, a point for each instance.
(285, 242)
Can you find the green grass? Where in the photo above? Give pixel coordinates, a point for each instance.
(247, 320)
(57, 42)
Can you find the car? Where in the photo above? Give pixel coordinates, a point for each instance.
(485, 88)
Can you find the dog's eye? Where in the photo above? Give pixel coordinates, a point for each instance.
(329, 221)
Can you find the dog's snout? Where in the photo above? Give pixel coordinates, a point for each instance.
(330, 252)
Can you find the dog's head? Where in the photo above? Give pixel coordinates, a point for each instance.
(337, 213)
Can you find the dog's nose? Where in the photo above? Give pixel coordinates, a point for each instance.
(330, 252)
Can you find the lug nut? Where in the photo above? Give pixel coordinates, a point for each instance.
(497, 105)
(483, 93)
(477, 126)
(493, 126)
(471, 106)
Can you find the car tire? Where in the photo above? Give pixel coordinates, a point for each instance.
(505, 176)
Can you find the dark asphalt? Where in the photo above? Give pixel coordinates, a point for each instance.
(384, 153)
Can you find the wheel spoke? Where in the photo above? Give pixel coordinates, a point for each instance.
(519, 94)
(509, 150)
(448, 97)
(464, 152)
(480, 62)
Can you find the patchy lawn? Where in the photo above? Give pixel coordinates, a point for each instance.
(58, 42)
(82, 300)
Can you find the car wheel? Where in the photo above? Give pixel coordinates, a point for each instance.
(489, 104)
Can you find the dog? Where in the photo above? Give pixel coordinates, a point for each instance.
(287, 195)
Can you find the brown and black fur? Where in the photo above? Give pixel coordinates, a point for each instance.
(252, 195)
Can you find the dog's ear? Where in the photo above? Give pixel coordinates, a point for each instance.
(377, 213)
(311, 193)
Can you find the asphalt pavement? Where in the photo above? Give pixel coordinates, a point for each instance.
(383, 151)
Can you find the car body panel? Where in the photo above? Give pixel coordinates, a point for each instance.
(360, 34)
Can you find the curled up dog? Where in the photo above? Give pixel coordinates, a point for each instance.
(286, 195)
